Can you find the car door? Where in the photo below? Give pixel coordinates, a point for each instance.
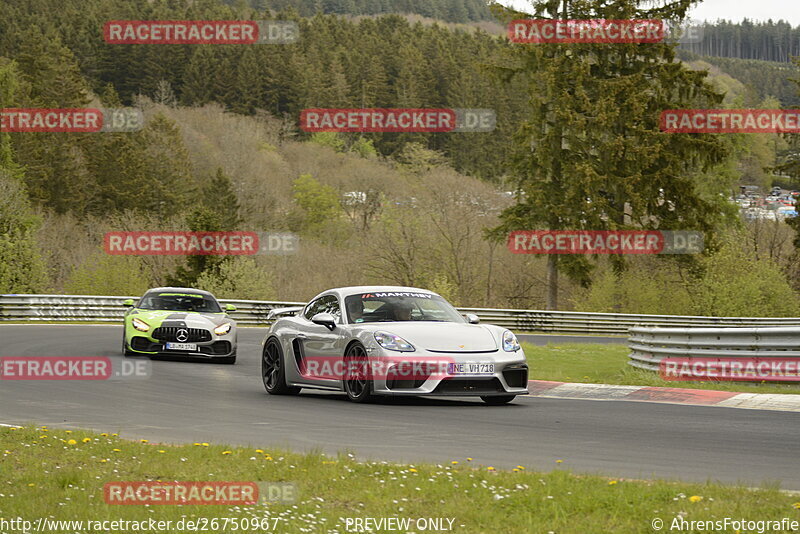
(319, 350)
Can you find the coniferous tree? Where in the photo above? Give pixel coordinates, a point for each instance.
(589, 154)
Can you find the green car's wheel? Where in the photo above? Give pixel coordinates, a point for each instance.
(125, 350)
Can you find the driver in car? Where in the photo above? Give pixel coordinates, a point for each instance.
(402, 311)
(355, 310)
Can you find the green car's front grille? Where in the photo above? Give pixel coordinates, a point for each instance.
(181, 334)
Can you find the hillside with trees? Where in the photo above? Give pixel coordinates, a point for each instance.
(446, 10)
(221, 149)
(761, 40)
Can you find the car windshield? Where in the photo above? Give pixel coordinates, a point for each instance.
(399, 306)
(184, 302)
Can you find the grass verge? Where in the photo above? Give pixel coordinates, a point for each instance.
(608, 364)
(60, 475)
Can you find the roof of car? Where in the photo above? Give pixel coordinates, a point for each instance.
(354, 290)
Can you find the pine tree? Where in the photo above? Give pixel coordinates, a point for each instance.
(589, 154)
(248, 93)
(219, 196)
(9, 87)
(197, 88)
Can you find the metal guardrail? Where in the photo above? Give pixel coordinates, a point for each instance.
(82, 308)
(92, 309)
(650, 345)
(609, 323)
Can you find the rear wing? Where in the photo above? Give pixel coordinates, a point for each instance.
(283, 311)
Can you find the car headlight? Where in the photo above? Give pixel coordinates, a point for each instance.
(140, 325)
(222, 329)
(392, 342)
(510, 343)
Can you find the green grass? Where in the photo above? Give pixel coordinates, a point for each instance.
(46, 475)
(608, 364)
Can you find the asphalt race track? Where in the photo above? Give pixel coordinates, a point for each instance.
(189, 402)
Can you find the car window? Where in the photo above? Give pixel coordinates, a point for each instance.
(330, 304)
(326, 304)
(185, 302)
(399, 306)
(313, 308)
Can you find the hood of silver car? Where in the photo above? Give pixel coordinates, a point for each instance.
(441, 337)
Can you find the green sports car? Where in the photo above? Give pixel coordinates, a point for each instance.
(181, 322)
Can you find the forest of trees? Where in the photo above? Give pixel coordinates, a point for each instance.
(762, 79)
(221, 149)
(383, 62)
(447, 10)
(766, 41)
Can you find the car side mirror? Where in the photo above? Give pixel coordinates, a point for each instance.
(230, 308)
(472, 318)
(325, 319)
(128, 303)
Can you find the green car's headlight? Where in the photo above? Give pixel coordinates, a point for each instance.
(222, 329)
(140, 325)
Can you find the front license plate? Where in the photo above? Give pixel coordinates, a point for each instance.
(182, 346)
(470, 368)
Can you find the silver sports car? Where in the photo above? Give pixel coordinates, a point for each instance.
(385, 340)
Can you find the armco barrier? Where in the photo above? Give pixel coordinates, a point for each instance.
(650, 345)
(79, 308)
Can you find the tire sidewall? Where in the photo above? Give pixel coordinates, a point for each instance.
(366, 393)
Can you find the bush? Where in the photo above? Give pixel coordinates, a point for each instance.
(21, 266)
(103, 274)
(738, 283)
(648, 286)
(319, 204)
(364, 148)
(238, 278)
(329, 139)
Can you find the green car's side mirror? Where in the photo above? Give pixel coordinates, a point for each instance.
(128, 303)
(230, 308)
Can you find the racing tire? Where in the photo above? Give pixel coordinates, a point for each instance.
(498, 400)
(357, 383)
(125, 350)
(273, 370)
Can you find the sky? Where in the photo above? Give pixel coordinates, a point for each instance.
(734, 10)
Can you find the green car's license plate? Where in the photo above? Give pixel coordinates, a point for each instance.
(182, 346)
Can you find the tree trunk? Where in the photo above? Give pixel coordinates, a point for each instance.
(552, 282)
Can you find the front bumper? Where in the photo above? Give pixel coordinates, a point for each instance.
(216, 348)
(510, 377)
